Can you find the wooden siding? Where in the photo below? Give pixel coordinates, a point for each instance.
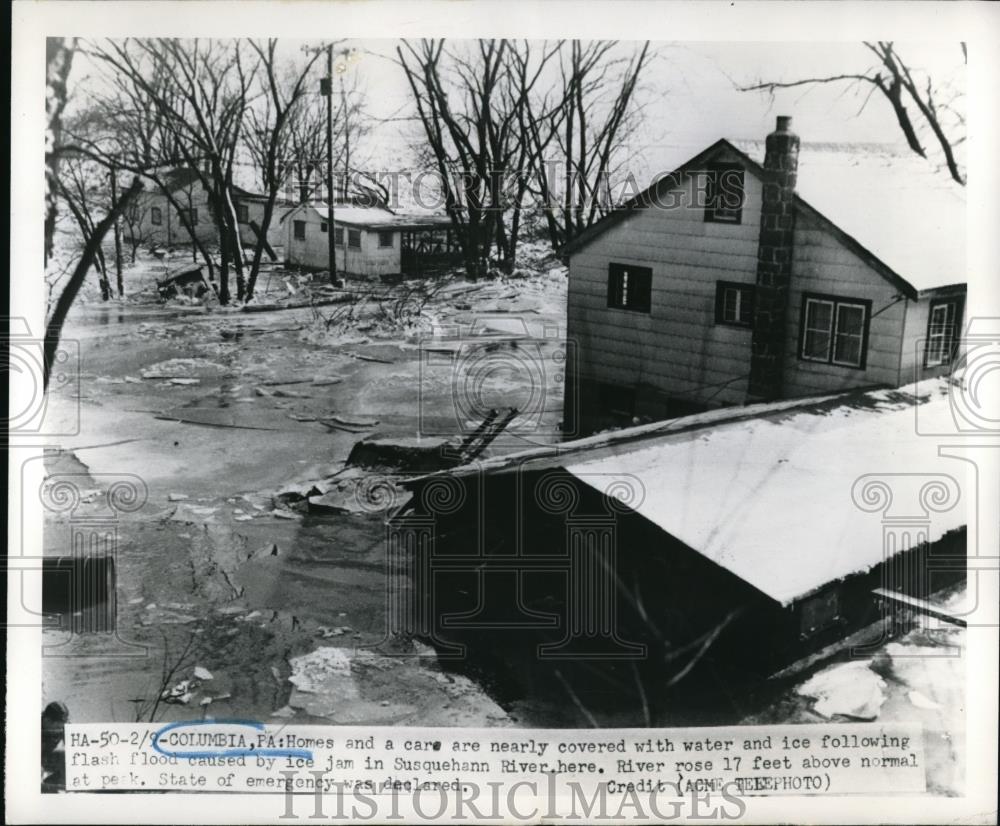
(677, 348)
(275, 230)
(313, 252)
(171, 231)
(823, 264)
(914, 338)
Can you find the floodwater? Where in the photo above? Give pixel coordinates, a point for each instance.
(216, 413)
(219, 412)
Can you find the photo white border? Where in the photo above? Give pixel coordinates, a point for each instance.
(976, 23)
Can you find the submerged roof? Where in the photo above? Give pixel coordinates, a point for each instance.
(378, 217)
(770, 492)
(890, 206)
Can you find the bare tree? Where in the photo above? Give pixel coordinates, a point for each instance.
(80, 189)
(53, 327)
(306, 161)
(58, 62)
(470, 102)
(268, 136)
(199, 92)
(136, 227)
(579, 132)
(937, 107)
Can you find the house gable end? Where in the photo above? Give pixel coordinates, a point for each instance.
(723, 150)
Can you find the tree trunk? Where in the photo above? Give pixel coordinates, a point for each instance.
(58, 60)
(101, 267)
(53, 329)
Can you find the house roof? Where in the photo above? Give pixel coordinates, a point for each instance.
(378, 217)
(889, 208)
(770, 492)
(179, 178)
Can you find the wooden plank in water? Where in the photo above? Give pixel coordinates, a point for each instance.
(921, 605)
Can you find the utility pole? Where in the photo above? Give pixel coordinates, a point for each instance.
(326, 87)
(347, 137)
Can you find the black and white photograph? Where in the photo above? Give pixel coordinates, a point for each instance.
(414, 404)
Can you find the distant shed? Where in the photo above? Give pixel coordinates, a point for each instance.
(370, 241)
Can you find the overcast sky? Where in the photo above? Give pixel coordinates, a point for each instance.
(692, 95)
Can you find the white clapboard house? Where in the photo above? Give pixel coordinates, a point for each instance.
(822, 269)
(371, 241)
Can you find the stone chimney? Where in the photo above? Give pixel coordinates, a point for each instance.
(774, 262)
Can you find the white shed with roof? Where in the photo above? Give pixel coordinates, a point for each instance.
(370, 241)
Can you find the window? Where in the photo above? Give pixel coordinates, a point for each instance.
(724, 193)
(338, 236)
(734, 304)
(354, 238)
(243, 213)
(188, 215)
(820, 612)
(155, 216)
(322, 226)
(629, 287)
(386, 239)
(943, 326)
(299, 230)
(834, 330)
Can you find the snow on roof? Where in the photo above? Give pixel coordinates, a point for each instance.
(771, 498)
(895, 204)
(378, 217)
(767, 491)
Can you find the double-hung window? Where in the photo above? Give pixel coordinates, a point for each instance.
(299, 230)
(943, 325)
(834, 330)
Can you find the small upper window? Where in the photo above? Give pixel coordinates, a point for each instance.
(243, 213)
(299, 230)
(155, 216)
(386, 239)
(724, 193)
(943, 326)
(734, 304)
(629, 287)
(354, 238)
(834, 330)
(322, 226)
